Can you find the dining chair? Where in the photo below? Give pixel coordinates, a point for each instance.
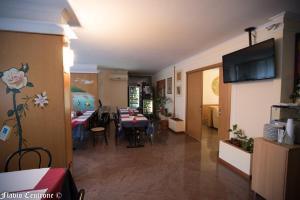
(81, 194)
(34, 150)
(100, 129)
(117, 127)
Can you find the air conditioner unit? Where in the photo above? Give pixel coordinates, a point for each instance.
(119, 77)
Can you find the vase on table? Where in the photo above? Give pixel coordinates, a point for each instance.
(290, 137)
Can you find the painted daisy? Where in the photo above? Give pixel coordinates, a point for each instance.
(41, 100)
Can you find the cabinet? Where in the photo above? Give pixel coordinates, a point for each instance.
(276, 170)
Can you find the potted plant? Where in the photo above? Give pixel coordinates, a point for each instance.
(240, 139)
(160, 103)
(237, 152)
(295, 96)
(176, 125)
(162, 111)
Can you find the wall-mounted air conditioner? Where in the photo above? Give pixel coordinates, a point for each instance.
(118, 77)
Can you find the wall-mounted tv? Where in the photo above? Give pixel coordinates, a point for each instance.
(255, 62)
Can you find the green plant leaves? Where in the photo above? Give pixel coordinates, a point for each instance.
(12, 90)
(29, 84)
(15, 90)
(234, 127)
(20, 107)
(26, 106)
(10, 113)
(24, 68)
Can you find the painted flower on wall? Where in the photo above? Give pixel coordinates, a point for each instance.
(41, 100)
(15, 80)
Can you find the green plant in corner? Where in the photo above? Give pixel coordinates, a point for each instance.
(295, 96)
(160, 103)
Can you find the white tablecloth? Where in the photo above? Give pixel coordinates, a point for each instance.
(21, 180)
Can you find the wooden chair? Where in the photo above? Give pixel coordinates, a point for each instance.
(100, 129)
(81, 194)
(117, 126)
(24, 151)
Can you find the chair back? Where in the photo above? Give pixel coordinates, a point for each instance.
(81, 194)
(93, 119)
(106, 120)
(102, 121)
(34, 150)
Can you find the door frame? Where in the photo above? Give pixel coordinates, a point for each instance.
(213, 66)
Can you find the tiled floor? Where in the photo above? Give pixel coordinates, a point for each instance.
(175, 167)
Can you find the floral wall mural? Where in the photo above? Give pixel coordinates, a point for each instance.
(15, 80)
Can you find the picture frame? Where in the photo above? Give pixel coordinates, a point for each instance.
(169, 85)
(178, 90)
(178, 76)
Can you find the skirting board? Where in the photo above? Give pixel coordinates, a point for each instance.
(234, 169)
(181, 132)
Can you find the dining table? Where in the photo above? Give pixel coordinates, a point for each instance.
(134, 123)
(82, 119)
(79, 124)
(130, 111)
(43, 183)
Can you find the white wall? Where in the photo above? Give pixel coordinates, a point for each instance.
(251, 101)
(209, 97)
(164, 74)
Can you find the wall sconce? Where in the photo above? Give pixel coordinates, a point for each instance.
(68, 59)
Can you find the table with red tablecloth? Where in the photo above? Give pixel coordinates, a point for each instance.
(134, 124)
(44, 183)
(79, 125)
(82, 119)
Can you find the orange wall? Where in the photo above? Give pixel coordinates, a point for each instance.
(42, 127)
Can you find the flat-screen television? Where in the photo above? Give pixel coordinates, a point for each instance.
(255, 62)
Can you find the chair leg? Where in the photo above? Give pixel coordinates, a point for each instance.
(116, 138)
(105, 138)
(151, 139)
(94, 139)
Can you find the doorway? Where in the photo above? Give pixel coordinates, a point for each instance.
(208, 103)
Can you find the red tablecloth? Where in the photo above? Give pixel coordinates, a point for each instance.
(53, 181)
(83, 119)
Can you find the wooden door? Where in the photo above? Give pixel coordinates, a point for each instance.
(225, 107)
(194, 104)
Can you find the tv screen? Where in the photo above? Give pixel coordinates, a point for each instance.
(255, 62)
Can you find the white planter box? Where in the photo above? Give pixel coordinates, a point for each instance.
(236, 157)
(176, 125)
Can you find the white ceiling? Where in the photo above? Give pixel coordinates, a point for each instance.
(148, 35)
